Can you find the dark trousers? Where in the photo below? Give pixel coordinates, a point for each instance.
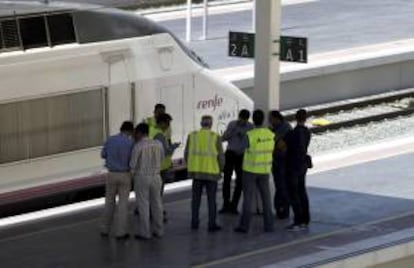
(211, 188)
(281, 198)
(298, 196)
(234, 162)
(251, 182)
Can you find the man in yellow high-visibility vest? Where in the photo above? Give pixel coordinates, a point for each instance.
(257, 165)
(159, 133)
(159, 109)
(205, 162)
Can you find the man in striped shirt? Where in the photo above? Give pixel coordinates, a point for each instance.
(145, 164)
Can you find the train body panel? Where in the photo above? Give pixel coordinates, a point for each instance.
(59, 104)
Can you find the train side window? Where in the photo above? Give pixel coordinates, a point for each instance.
(33, 32)
(10, 34)
(51, 125)
(61, 29)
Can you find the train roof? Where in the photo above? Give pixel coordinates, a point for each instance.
(25, 25)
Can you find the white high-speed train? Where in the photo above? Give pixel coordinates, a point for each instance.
(70, 74)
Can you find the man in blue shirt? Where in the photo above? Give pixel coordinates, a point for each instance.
(117, 154)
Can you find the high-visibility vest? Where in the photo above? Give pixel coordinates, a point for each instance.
(167, 162)
(202, 152)
(152, 123)
(258, 157)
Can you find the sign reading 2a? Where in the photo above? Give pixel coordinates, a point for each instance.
(241, 44)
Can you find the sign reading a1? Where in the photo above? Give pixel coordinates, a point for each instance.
(241, 44)
(293, 49)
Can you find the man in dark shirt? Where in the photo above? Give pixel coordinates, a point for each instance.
(235, 136)
(281, 128)
(297, 149)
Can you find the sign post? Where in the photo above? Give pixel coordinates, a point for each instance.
(267, 69)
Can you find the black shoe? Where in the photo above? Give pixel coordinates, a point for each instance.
(294, 228)
(240, 230)
(122, 237)
(156, 235)
(215, 228)
(139, 237)
(104, 234)
(234, 211)
(282, 217)
(225, 210)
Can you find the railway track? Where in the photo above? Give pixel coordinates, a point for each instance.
(361, 111)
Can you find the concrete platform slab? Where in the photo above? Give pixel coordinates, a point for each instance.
(348, 205)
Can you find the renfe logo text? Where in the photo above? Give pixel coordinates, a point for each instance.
(210, 104)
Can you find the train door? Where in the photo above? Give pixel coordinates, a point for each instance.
(119, 95)
(177, 96)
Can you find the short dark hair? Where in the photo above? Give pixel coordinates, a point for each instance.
(244, 114)
(127, 126)
(142, 128)
(301, 115)
(206, 121)
(159, 106)
(258, 117)
(164, 118)
(277, 114)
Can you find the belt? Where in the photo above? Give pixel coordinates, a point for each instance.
(117, 171)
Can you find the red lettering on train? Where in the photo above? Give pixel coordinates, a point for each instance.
(210, 103)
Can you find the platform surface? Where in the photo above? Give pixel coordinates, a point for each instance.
(348, 204)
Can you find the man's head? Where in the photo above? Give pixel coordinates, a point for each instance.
(163, 121)
(141, 131)
(127, 128)
(206, 121)
(275, 117)
(258, 117)
(159, 109)
(244, 115)
(301, 116)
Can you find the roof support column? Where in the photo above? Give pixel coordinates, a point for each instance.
(267, 69)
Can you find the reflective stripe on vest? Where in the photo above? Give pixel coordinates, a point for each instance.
(167, 162)
(258, 157)
(202, 152)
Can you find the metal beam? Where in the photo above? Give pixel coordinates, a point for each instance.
(267, 69)
(188, 21)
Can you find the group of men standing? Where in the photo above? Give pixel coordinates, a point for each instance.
(253, 152)
(140, 159)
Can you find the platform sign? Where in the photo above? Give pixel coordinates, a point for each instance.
(241, 44)
(294, 49)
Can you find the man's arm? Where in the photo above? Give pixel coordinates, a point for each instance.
(220, 157)
(104, 153)
(229, 132)
(168, 149)
(187, 145)
(134, 159)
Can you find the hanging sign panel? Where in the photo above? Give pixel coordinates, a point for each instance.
(294, 49)
(241, 44)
